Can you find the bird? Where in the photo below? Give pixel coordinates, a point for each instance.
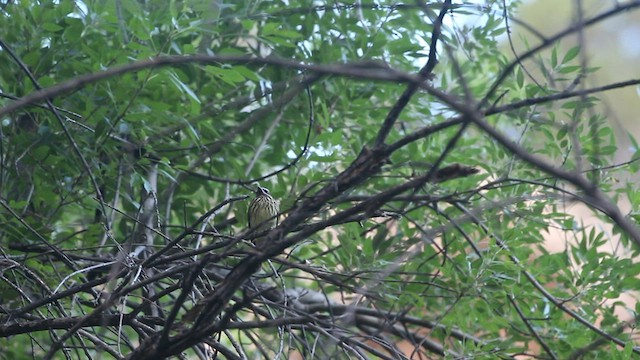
(262, 216)
(263, 211)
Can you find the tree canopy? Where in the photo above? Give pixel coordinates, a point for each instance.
(422, 171)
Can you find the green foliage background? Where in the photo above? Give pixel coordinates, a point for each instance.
(466, 255)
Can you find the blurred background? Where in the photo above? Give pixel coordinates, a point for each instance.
(612, 45)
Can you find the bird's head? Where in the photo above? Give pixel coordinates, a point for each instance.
(262, 191)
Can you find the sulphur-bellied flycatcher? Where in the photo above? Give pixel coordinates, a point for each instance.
(263, 211)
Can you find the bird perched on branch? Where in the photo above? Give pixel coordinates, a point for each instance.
(263, 211)
(262, 215)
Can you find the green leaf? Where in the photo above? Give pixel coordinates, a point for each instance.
(571, 54)
(52, 27)
(229, 76)
(568, 69)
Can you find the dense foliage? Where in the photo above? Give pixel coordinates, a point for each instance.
(422, 172)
